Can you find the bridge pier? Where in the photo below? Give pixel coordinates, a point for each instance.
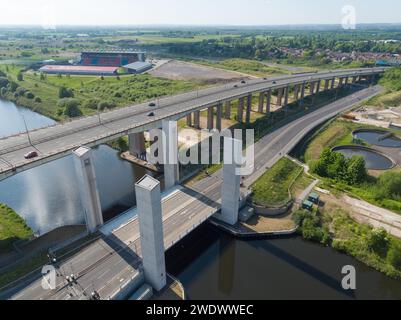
(248, 109)
(87, 186)
(346, 81)
(197, 119)
(280, 93)
(312, 88)
(240, 110)
(227, 111)
(333, 83)
(303, 90)
(136, 142)
(261, 102)
(210, 118)
(268, 102)
(341, 82)
(318, 87)
(219, 114)
(286, 96)
(151, 231)
(230, 192)
(326, 85)
(189, 120)
(170, 154)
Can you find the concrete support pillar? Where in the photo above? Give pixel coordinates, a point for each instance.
(240, 111)
(151, 231)
(346, 81)
(318, 87)
(326, 85)
(268, 101)
(353, 80)
(248, 109)
(136, 142)
(210, 118)
(230, 192)
(286, 96)
(312, 88)
(333, 83)
(219, 115)
(296, 92)
(303, 90)
(340, 84)
(87, 187)
(261, 102)
(227, 111)
(170, 154)
(189, 120)
(197, 119)
(280, 96)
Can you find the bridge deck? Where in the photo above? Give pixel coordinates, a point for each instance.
(59, 140)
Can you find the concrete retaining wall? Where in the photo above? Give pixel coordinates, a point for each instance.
(272, 211)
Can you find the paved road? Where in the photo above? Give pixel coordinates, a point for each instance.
(59, 140)
(113, 261)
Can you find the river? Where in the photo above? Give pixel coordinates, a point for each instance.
(47, 196)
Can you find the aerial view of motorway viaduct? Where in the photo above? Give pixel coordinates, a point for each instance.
(130, 250)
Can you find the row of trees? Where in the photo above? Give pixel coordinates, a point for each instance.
(336, 166)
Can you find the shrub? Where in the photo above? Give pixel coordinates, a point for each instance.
(12, 86)
(394, 255)
(378, 241)
(38, 100)
(3, 92)
(20, 76)
(71, 107)
(64, 92)
(4, 82)
(29, 95)
(106, 105)
(91, 104)
(20, 91)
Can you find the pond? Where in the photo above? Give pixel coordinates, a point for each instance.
(373, 159)
(378, 138)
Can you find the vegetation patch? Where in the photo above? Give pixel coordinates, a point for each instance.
(273, 188)
(12, 228)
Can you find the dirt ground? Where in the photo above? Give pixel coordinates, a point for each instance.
(179, 70)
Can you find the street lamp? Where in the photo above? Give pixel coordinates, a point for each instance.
(27, 131)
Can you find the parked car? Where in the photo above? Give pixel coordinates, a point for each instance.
(31, 155)
(152, 104)
(151, 114)
(243, 81)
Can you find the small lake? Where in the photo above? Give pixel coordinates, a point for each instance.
(47, 196)
(378, 138)
(374, 160)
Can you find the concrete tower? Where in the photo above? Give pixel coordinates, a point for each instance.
(151, 229)
(88, 190)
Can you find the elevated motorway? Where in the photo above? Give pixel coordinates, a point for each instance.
(59, 140)
(113, 261)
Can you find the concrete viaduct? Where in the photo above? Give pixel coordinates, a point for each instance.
(79, 135)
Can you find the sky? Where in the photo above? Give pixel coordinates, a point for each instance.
(196, 12)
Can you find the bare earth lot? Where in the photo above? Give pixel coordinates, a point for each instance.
(179, 70)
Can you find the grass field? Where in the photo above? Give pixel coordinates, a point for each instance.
(273, 187)
(120, 92)
(251, 67)
(12, 228)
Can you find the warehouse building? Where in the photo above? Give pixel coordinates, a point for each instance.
(79, 70)
(111, 58)
(138, 67)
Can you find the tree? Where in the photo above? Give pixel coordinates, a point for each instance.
(378, 241)
(394, 255)
(356, 171)
(20, 76)
(64, 92)
(71, 107)
(389, 185)
(4, 82)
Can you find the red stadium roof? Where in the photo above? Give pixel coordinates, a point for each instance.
(78, 69)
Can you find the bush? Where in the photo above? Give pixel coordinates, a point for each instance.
(378, 241)
(64, 92)
(3, 92)
(3, 74)
(106, 105)
(12, 86)
(20, 76)
(71, 107)
(38, 100)
(91, 104)
(394, 255)
(20, 91)
(389, 185)
(29, 95)
(4, 82)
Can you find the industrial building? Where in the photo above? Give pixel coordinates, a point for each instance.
(103, 62)
(111, 58)
(79, 70)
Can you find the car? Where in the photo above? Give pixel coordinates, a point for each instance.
(264, 78)
(243, 81)
(31, 155)
(151, 114)
(274, 82)
(236, 86)
(152, 104)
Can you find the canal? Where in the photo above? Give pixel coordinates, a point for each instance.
(213, 265)
(47, 196)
